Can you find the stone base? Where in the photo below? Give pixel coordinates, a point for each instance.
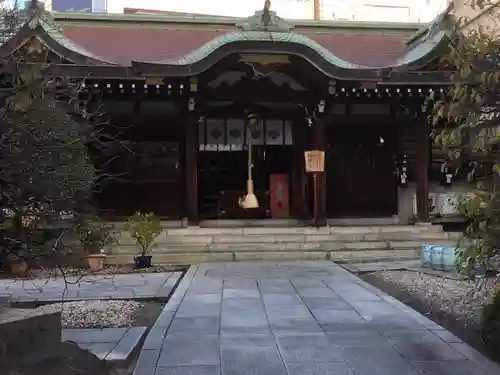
(114, 345)
(28, 336)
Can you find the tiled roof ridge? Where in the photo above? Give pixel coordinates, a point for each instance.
(229, 21)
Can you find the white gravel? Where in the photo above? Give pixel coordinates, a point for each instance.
(461, 298)
(97, 314)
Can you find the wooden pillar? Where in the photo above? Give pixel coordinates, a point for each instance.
(422, 170)
(319, 143)
(191, 167)
(299, 180)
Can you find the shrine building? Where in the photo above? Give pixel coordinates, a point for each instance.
(178, 90)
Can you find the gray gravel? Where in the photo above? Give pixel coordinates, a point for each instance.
(460, 298)
(97, 314)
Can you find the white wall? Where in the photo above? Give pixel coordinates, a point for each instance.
(360, 10)
(284, 8)
(382, 10)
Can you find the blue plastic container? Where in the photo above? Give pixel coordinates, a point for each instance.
(449, 259)
(425, 255)
(437, 258)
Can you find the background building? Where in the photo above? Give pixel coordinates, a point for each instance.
(353, 10)
(382, 10)
(98, 6)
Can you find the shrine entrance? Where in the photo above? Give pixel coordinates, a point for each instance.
(223, 168)
(361, 180)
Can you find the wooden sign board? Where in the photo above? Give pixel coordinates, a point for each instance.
(315, 161)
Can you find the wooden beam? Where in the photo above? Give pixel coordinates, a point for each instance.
(299, 176)
(319, 142)
(191, 167)
(422, 170)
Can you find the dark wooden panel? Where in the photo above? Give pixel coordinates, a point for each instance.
(361, 180)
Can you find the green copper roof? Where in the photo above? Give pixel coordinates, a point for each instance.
(259, 36)
(264, 32)
(268, 33)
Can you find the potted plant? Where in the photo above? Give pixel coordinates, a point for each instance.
(143, 228)
(95, 236)
(18, 264)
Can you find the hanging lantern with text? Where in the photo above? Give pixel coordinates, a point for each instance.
(315, 161)
(315, 164)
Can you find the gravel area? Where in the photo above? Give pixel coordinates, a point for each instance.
(461, 299)
(98, 314)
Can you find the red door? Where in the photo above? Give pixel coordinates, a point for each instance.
(278, 195)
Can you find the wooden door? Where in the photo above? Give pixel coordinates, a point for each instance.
(360, 179)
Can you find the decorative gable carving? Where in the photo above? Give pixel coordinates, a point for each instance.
(266, 20)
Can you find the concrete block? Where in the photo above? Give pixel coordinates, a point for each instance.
(179, 239)
(100, 349)
(285, 230)
(302, 246)
(329, 246)
(334, 237)
(175, 259)
(277, 238)
(414, 244)
(280, 256)
(154, 339)
(454, 235)
(236, 247)
(5, 301)
(365, 245)
(124, 350)
(94, 335)
(29, 335)
(401, 236)
(196, 231)
(373, 255)
(146, 364)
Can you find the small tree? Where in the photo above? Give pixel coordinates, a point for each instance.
(467, 120)
(144, 228)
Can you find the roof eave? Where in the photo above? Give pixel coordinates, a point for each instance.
(40, 28)
(332, 66)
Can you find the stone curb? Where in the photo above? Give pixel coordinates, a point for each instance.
(150, 353)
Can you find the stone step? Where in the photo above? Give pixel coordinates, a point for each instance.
(276, 223)
(323, 246)
(197, 231)
(207, 236)
(343, 255)
(280, 247)
(207, 240)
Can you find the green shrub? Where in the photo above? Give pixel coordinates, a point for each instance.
(143, 228)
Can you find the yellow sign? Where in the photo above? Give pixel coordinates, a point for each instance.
(315, 161)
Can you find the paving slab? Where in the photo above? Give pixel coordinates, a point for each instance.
(92, 287)
(115, 345)
(296, 318)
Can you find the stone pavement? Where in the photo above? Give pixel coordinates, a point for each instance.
(91, 287)
(296, 318)
(115, 345)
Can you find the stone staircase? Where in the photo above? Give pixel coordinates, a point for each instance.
(355, 243)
